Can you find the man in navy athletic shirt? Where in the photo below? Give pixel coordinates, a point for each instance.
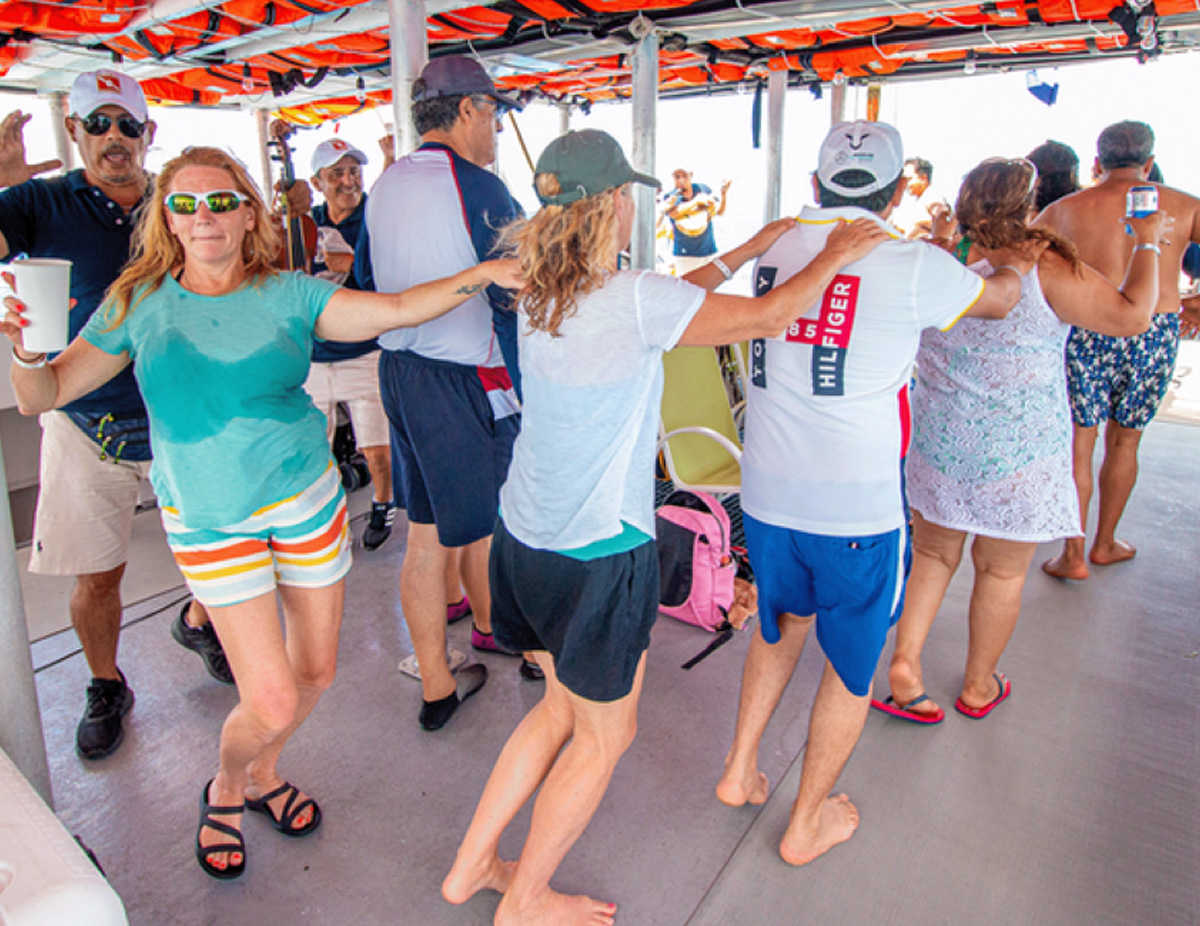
(96, 450)
(448, 394)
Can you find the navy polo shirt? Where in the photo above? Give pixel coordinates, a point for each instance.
(68, 218)
(350, 228)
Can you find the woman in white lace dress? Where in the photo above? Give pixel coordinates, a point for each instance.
(991, 450)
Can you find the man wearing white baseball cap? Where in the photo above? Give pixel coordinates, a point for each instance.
(96, 450)
(822, 492)
(342, 371)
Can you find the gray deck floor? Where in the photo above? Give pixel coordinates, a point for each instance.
(1078, 801)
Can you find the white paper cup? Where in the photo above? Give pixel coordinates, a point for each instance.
(44, 286)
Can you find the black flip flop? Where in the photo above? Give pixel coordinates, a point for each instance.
(203, 853)
(291, 810)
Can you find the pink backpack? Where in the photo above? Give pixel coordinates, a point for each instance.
(695, 562)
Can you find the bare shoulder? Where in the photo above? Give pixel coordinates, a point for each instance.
(1054, 268)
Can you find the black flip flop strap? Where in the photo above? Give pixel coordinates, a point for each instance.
(223, 828)
(290, 812)
(291, 809)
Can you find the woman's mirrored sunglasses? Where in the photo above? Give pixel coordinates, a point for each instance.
(182, 203)
(99, 124)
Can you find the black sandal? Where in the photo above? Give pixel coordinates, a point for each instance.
(291, 810)
(203, 853)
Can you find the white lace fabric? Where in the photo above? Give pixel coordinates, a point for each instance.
(991, 449)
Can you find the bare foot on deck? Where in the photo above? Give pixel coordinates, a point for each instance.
(738, 786)
(1067, 566)
(465, 879)
(839, 820)
(554, 909)
(736, 791)
(1117, 552)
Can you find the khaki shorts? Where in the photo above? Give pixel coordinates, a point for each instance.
(85, 505)
(355, 382)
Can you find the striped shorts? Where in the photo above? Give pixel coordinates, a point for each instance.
(302, 541)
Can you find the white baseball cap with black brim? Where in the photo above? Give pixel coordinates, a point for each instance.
(872, 147)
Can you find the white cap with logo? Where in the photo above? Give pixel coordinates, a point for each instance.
(93, 89)
(330, 152)
(873, 147)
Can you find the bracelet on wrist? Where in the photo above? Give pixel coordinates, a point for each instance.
(1147, 246)
(1009, 267)
(28, 364)
(721, 265)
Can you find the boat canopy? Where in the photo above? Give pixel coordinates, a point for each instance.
(314, 60)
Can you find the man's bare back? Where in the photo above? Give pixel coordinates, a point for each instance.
(1091, 219)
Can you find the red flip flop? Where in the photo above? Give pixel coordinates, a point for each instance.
(905, 711)
(978, 713)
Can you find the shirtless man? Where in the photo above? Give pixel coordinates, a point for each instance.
(1119, 379)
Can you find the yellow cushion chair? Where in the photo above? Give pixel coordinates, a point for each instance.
(697, 435)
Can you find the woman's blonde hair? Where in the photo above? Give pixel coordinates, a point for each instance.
(156, 251)
(565, 252)
(994, 205)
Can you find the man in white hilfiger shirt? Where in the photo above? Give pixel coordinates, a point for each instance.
(822, 488)
(448, 394)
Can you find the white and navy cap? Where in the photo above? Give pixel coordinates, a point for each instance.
(93, 89)
(874, 147)
(330, 152)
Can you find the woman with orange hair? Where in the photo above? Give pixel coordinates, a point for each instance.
(991, 448)
(250, 499)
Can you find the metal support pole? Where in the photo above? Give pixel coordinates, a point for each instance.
(837, 103)
(564, 119)
(776, 91)
(409, 52)
(262, 122)
(60, 108)
(645, 125)
(20, 722)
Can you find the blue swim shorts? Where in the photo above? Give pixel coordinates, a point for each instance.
(1122, 379)
(854, 586)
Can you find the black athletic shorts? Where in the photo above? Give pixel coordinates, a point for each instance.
(594, 617)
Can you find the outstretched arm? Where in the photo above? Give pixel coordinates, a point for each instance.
(40, 386)
(352, 315)
(13, 168)
(725, 319)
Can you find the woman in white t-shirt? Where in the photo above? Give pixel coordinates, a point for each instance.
(574, 571)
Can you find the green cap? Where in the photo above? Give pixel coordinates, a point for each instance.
(586, 163)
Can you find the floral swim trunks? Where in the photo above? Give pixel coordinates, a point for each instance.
(1124, 379)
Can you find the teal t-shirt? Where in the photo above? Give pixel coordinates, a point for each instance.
(231, 426)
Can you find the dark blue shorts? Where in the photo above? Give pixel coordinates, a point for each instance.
(450, 452)
(594, 617)
(854, 586)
